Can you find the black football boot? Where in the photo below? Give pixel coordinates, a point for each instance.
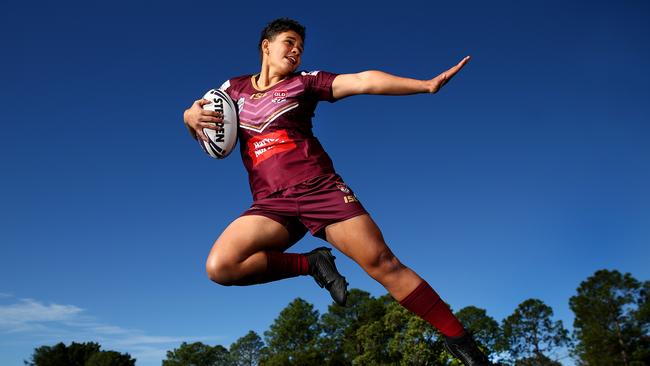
(465, 349)
(323, 269)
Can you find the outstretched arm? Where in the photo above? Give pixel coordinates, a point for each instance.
(379, 82)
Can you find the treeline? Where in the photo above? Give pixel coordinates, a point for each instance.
(611, 328)
(78, 354)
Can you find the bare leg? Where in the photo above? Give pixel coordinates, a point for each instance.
(360, 239)
(238, 256)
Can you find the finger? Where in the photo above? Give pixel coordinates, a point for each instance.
(210, 119)
(211, 126)
(461, 64)
(207, 116)
(211, 113)
(454, 70)
(202, 102)
(201, 135)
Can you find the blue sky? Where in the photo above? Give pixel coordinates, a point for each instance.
(521, 178)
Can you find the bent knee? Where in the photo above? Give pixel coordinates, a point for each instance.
(219, 271)
(383, 263)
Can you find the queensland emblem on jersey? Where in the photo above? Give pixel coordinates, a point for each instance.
(279, 96)
(258, 113)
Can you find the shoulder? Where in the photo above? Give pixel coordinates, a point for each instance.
(315, 74)
(236, 82)
(316, 78)
(309, 73)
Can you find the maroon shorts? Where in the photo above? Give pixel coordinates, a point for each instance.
(312, 204)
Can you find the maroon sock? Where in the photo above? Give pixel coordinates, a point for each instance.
(284, 265)
(426, 303)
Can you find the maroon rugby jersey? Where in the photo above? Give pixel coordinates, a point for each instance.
(276, 141)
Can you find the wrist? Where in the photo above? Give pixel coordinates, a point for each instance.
(429, 86)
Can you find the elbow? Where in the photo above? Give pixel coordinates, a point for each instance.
(354, 84)
(366, 82)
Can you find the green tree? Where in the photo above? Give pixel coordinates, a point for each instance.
(246, 350)
(529, 333)
(373, 340)
(611, 320)
(485, 329)
(197, 354)
(110, 358)
(539, 360)
(642, 315)
(413, 340)
(292, 338)
(62, 355)
(78, 354)
(399, 338)
(339, 344)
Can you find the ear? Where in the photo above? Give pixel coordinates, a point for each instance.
(265, 46)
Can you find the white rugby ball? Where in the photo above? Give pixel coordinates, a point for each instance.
(222, 142)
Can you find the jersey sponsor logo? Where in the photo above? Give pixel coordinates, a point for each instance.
(279, 95)
(311, 73)
(257, 96)
(262, 147)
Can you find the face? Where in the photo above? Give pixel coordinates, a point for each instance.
(284, 52)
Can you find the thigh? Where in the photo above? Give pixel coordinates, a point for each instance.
(248, 235)
(360, 239)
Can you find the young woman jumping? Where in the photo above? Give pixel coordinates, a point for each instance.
(295, 187)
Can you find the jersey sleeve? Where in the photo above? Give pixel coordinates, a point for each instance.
(232, 87)
(225, 87)
(319, 84)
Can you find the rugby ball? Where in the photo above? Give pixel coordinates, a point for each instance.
(220, 142)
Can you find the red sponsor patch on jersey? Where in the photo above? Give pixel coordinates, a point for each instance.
(279, 95)
(262, 147)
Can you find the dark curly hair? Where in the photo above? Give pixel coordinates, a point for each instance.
(278, 26)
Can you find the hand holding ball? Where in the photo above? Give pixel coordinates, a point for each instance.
(222, 141)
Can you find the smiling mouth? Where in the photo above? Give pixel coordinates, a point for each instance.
(292, 60)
